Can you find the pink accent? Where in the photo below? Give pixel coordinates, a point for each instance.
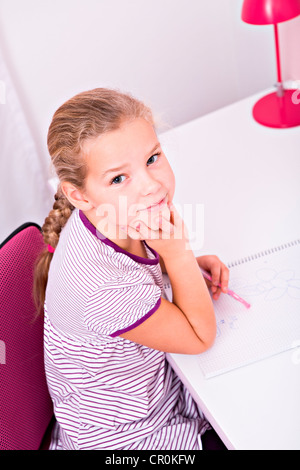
(277, 54)
(237, 297)
(229, 292)
(138, 322)
(278, 109)
(117, 248)
(50, 249)
(269, 11)
(25, 404)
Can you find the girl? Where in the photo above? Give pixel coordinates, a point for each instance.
(112, 231)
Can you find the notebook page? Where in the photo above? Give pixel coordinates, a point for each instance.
(270, 282)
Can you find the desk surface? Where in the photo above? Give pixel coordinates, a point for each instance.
(246, 179)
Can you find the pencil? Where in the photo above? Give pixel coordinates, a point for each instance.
(229, 291)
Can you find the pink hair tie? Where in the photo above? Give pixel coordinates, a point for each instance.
(50, 249)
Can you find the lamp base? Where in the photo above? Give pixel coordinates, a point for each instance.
(278, 111)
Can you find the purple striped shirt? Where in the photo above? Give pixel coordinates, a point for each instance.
(108, 392)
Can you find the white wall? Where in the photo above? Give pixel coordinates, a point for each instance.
(183, 57)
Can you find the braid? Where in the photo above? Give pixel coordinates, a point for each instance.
(57, 218)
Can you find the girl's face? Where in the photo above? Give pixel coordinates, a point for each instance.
(128, 175)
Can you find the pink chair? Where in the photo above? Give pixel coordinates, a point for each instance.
(26, 413)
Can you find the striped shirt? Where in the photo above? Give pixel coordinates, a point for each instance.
(108, 392)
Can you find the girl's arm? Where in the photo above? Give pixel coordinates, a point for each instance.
(187, 324)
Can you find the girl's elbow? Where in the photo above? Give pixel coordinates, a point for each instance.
(208, 340)
(200, 345)
(209, 343)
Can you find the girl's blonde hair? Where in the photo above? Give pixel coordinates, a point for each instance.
(85, 116)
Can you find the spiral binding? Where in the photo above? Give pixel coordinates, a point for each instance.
(263, 253)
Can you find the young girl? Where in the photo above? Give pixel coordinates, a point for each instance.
(112, 231)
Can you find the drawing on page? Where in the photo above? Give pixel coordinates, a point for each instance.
(231, 322)
(219, 328)
(272, 284)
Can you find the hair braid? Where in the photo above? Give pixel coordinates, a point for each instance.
(57, 218)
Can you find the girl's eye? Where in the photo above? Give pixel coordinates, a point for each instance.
(118, 179)
(152, 159)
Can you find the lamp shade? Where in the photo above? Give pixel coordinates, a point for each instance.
(269, 11)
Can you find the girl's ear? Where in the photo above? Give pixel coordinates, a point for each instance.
(76, 197)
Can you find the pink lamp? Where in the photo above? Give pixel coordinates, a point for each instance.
(275, 109)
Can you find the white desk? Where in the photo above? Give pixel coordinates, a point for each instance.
(248, 179)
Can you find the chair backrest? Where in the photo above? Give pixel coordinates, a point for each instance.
(25, 405)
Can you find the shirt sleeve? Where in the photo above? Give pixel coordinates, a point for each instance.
(118, 307)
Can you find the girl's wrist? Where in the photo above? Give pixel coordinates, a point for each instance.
(179, 259)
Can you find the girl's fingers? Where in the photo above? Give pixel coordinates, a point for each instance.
(133, 233)
(152, 225)
(165, 213)
(219, 274)
(180, 230)
(224, 278)
(138, 230)
(163, 230)
(220, 278)
(165, 224)
(215, 270)
(174, 216)
(148, 233)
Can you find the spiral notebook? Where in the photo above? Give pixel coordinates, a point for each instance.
(270, 282)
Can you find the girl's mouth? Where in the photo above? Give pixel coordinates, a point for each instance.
(158, 204)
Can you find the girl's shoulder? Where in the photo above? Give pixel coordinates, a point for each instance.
(97, 257)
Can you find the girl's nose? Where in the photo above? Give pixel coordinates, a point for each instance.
(149, 184)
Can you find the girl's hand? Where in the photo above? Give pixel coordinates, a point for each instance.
(164, 231)
(218, 272)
